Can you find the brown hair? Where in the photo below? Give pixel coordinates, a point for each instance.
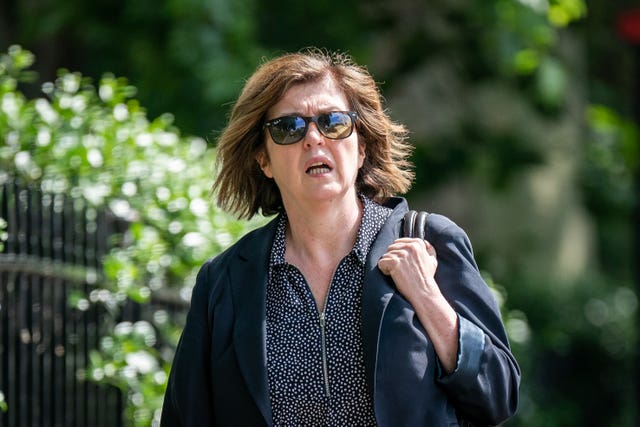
(242, 188)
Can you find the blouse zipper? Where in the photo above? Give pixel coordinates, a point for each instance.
(325, 368)
(323, 335)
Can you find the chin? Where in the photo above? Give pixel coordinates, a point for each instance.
(333, 193)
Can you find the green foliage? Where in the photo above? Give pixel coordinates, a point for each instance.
(96, 143)
(579, 352)
(523, 44)
(526, 31)
(523, 36)
(562, 12)
(13, 67)
(129, 360)
(612, 156)
(474, 84)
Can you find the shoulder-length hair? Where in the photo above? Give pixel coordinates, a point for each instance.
(240, 185)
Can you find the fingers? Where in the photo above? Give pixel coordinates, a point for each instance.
(411, 244)
(406, 252)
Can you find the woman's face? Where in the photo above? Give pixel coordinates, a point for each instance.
(316, 168)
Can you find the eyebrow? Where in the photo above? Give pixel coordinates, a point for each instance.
(321, 111)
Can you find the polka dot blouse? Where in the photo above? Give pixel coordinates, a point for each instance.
(315, 360)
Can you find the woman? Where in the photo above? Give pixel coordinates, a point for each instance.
(326, 316)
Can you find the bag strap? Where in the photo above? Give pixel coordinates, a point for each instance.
(414, 224)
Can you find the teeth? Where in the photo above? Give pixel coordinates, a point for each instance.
(318, 171)
(318, 168)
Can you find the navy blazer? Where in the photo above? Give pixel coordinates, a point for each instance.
(219, 372)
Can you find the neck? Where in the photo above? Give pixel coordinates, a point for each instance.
(323, 230)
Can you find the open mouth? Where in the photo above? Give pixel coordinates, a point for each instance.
(318, 169)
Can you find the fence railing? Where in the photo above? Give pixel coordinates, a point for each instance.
(54, 248)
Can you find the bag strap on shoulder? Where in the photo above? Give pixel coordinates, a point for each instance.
(414, 224)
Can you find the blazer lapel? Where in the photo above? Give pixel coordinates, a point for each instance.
(378, 288)
(249, 279)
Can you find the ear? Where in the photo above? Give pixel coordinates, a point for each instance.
(362, 153)
(263, 161)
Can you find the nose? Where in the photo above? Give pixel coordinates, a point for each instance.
(313, 136)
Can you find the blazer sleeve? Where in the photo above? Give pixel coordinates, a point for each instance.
(187, 400)
(485, 382)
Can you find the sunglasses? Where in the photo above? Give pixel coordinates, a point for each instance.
(291, 129)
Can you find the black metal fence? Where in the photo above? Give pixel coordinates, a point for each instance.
(54, 247)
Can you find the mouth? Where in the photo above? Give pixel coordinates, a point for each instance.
(318, 168)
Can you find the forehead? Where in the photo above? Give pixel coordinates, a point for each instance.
(312, 97)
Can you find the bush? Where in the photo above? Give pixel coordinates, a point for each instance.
(97, 143)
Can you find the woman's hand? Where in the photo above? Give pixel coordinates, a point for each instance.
(412, 265)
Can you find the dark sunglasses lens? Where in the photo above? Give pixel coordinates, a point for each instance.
(335, 125)
(287, 130)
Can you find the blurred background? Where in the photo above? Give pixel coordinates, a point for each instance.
(524, 117)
